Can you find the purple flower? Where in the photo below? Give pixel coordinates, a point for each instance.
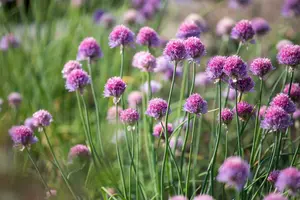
(69, 67)
(288, 179)
(261, 66)
(204, 197)
(158, 130)
(175, 50)
(235, 67)
(273, 176)
(188, 29)
(276, 119)
(135, 98)
(226, 115)
(291, 8)
(198, 20)
(260, 26)
(129, 116)
(157, 108)
(224, 26)
(289, 55)
(275, 196)
(202, 79)
(195, 104)
(29, 122)
(243, 31)
(77, 80)
(244, 110)
(234, 172)
(144, 61)
(262, 112)
(79, 151)
(243, 85)
(179, 197)
(283, 101)
(155, 87)
(148, 37)
(214, 68)
(114, 87)
(14, 99)
(42, 118)
(132, 17)
(194, 49)
(112, 113)
(89, 49)
(98, 15)
(295, 91)
(164, 66)
(121, 36)
(22, 136)
(107, 20)
(282, 43)
(8, 41)
(239, 3)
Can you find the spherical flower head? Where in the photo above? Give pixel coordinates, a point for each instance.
(155, 87)
(261, 66)
(114, 87)
(29, 122)
(244, 110)
(195, 49)
(243, 31)
(201, 79)
(175, 50)
(291, 8)
(157, 108)
(273, 176)
(198, 20)
(234, 172)
(276, 119)
(224, 26)
(129, 116)
(112, 114)
(9, 41)
(51, 193)
(282, 43)
(79, 151)
(204, 197)
(283, 101)
(69, 67)
(14, 99)
(188, 29)
(262, 112)
(195, 104)
(148, 37)
(89, 49)
(227, 116)
(179, 197)
(289, 55)
(289, 179)
(121, 36)
(243, 85)
(77, 80)
(235, 67)
(158, 130)
(239, 3)
(133, 17)
(260, 26)
(22, 136)
(294, 93)
(135, 98)
(42, 118)
(144, 61)
(275, 196)
(214, 68)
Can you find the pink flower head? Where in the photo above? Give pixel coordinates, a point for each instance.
(89, 49)
(260, 26)
(175, 50)
(144, 61)
(121, 36)
(114, 87)
(14, 99)
(195, 104)
(158, 130)
(22, 136)
(202, 79)
(29, 122)
(262, 111)
(194, 48)
(235, 67)
(283, 101)
(79, 151)
(148, 37)
(234, 172)
(273, 176)
(244, 110)
(155, 87)
(243, 31)
(288, 179)
(8, 41)
(275, 196)
(276, 119)
(224, 26)
(282, 43)
(289, 55)
(204, 197)
(133, 17)
(243, 85)
(69, 67)
(112, 113)
(214, 68)
(179, 197)
(261, 66)
(226, 115)
(157, 108)
(129, 116)
(135, 98)
(42, 118)
(77, 80)
(295, 91)
(188, 29)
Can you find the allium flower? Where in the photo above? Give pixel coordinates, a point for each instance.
(132, 17)
(224, 26)
(8, 41)
(112, 113)
(175, 50)
(276, 119)
(201, 79)
(158, 130)
(107, 20)
(179, 197)
(243, 85)
(289, 179)
(114, 87)
(234, 172)
(22, 136)
(157, 108)
(179, 143)
(204, 197)
(262, 112)
(164, 66)
(14, 99)
(188, 29)
(129, 116)
(243, 31)
(144, 61)
(282, 43)
(244, 110)
(194, 49)
(275, 196)
(195, 104)
(295, 91)
(289, 55)
(155, 87)
(29, 122)
(272, 178)
(261, 66)
(98, 15)
(42, 118)
(283, 101)
(121, 36)
(89, 49)
(77, 80)
(52, 193)
(235, 67)
(134, 99)
(69, 67)
(296, 114)
(226, 115)
(148, 37)
(79, 151)
(214, 68)
(260, 26)
(198, 20)
(291, 8)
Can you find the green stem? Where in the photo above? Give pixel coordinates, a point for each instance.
(239, 48)
(149, 86)
(122, 60)
(184, 144)
(237, 124)
(193, 80)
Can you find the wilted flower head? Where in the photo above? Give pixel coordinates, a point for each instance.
(121, 36)
(112, 113)
(283, 101)
(188, 29)
(276, 119)
(42, 118)
(179, 197)
(69, 67)
(14, 99)
(291, 8)
(79, 151)
(144, 61)
(195, 104)
(294, 93)
(234, 172)
(77, 80)
(239, 3)
(260, 26)
(243, 31)
(201, 79)
(261, 66)
(129, 116)
(132, 17)
(224, 26)
(226, 115)
(262, 112)
(114, 87)
(198, 20)
(134, 98)
(235, 67)
(204, 197)
(155, 87)
(148, 37)
(22, 136)
(282, 43)
(29, 122)
(157, 108)
(214, 68)
(272, 178)
(89, 49)
(8, 41)
(243, 85)
(175, 50)
(244, 110)
(158, 130)
(289, 55)
(275, 196)
(194, 48)
(288, 179)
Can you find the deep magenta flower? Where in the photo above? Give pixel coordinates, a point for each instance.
(114, 87)
(42, 118)
(282, 43)
(243, 85)
(158, 130)
(214, 68)
(227, 115)
(235, 67)
(77, 80)
(89, 49)
(244, 110)
(69, 67)
(295, 91)
(148, 37)
(288, 179)
(129, 116)
(22, 136)
(276, 119)
(134, 99)
(145, 61)
(243, 31)
(289, 55)
(195, 104)
(272, 178)
(195, 49)
(291, 8)
(179, 197)
(275, 196)
(121, 36)
(283, 101)
(260, 26)
(188, 29)
(8, 41)
(204, 197)
(14, 99)
(157, 108)
(175, 50)
(79, 151)
(224, 26)
(29, 122)
(261, 66)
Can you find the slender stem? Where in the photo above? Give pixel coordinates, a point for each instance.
(278, 150)
(149, 86)
(237, 124)
(295, 155)
(291, 81)
(193, 80)
(227, 95)
(239, 48)
(196, 152)
(184, 144)
(122, 60)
